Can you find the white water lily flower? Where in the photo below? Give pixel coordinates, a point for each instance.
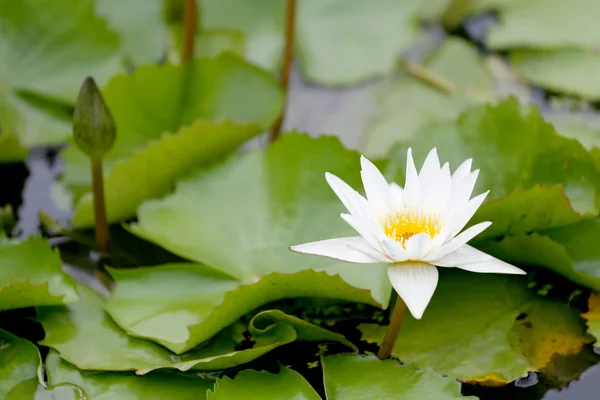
(414, 229)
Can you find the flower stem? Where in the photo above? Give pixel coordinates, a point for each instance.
(391, 334)
(100, 223)
(190, 16)
(286, 65)
(429, 77)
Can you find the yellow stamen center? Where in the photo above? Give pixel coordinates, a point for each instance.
(402, 225)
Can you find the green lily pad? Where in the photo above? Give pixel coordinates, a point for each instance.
(581, 126)
(349, 377)
(21, 366)
(345, 377)
(472, 315)
(406, 105)
(76, 43)
(284, 200)
(208, 42)
(21, 373)
(125, 386)
(194, 146)
(592, 317)
(84, 335)
(533, 24)
(262, 385)
(208, 302)
(569, 251)
(140, 26)
(327, 31)
(31, 275)
(564, 71)
(537, 179)
(152, 109)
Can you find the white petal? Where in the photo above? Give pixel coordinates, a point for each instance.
(462, 189)
(493, 266)
(412, 190)
(460, 217)
(462, 256)
(363, 230)
(415, 284)
(350, 249)
(348, 196)
(463, 170)
(458, 241)
(430, 168)
(397, 193)
(394, 250)
(377, 188)
(417, 246)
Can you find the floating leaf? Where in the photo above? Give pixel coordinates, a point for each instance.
(85, 336)
(350, 377)
(537, 179)
(569, 251)
(31, 275)
(207, 302)
(564, 71)
(327, 31)
(125, 386)
(546, 330)
(585, 127)
(76, 43)
(593, 316)
(255, 385)
(140, 26)
(345, 377)
(24, 125)
(191, 147)
(21, 366)
(150, 107)
(208, 42)
(533, 24)
(465, 331)
(283, 200)
(407, 104)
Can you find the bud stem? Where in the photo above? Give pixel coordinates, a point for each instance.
(101, 225)
(190, 16)
(286, 65)
(391, 334)
(429, 77)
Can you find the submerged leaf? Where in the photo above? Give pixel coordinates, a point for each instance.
(31, 275)
(466, 330)
(537, 179)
